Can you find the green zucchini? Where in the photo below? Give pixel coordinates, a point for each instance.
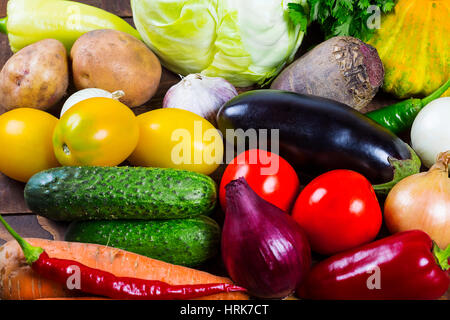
(109, 193)
(187, 242)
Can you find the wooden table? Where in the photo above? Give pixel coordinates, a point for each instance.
(12, 204)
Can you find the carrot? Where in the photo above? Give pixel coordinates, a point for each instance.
(19, 282)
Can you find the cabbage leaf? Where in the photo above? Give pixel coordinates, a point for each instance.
(243, 41)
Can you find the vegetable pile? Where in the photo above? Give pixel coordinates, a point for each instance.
(285, 190)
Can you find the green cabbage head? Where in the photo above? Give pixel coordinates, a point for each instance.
(243, 41)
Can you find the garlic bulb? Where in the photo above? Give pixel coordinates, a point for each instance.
(201, 95)
(89, 93)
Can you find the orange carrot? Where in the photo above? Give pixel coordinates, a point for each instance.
(19, 282)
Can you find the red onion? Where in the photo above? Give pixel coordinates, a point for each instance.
(263, 249)
(201, 95)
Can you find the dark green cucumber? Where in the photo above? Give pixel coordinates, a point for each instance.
(109, 193)
(187, 242)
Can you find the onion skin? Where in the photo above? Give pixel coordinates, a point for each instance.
(263, 248)
(87, 94)
(422, 201)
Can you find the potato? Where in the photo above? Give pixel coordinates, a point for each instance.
(35, 77)
(113, 60)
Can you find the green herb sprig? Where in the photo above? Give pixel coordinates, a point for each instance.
(339, 17)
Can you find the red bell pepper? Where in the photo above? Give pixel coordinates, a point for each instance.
(401, 266)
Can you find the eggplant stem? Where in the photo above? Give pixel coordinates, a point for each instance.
(402, 169)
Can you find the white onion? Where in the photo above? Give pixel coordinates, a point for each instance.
(89, 93)
(201, 95)
(430, 132)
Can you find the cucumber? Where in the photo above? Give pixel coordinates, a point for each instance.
(109, 193)
(187, 242)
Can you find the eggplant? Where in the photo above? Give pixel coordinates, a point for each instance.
(318, 135)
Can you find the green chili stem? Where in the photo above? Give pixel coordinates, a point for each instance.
(31, 253)
(400, 116)
(439, 92)
(3, 27)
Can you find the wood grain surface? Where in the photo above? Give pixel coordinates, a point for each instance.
(11, 192)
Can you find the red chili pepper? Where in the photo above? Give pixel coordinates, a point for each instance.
(102, 283)
(403, 263)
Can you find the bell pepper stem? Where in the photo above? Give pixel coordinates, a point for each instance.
(3, 27)
(439, 92)
(31, 253)
(442, 256)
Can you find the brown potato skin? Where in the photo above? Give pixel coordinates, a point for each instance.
(35, 77)
(113, 60)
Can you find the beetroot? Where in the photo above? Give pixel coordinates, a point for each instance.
(344, 69)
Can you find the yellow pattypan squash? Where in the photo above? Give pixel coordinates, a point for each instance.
(414, 45)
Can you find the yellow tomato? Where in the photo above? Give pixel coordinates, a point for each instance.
(26, 143)
(97, 132)
(175, 138)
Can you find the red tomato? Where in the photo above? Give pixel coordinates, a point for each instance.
(269, 175)
(338, 210)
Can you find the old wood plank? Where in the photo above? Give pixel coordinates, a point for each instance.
(121, 8)
(26, 225)
(11, 196)
(5, 51)
(3, 4)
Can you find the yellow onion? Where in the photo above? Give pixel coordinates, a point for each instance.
(422, 201)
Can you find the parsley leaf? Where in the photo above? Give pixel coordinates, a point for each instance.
(340, 17)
